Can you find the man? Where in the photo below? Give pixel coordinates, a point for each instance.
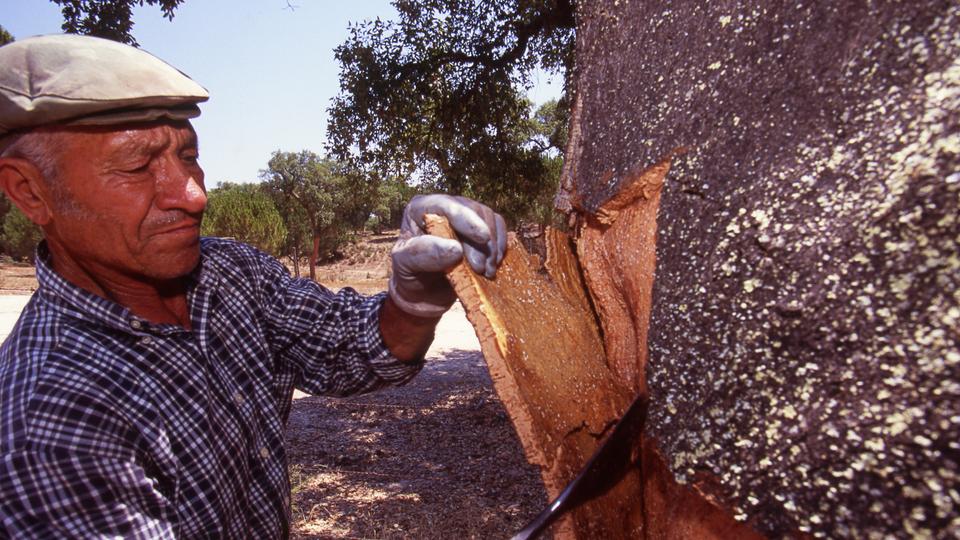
(145, 388)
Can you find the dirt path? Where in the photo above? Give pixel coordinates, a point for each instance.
(437, 458)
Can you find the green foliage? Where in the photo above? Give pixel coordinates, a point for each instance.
(110, 19)
(549, 125)
(20, 235)
(5, 37)
(541, 210)
(392, 196)
(245, 212)
(438, 96)
(522, 188)
(331, 199)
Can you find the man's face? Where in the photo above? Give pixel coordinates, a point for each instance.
(130, 200)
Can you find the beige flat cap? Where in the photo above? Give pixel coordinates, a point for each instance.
(83, 80)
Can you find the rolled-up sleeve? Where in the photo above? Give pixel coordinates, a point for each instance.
(331, 340)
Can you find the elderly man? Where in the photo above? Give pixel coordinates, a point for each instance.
(144, 391)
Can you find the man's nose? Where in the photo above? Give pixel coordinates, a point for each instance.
(180, 187)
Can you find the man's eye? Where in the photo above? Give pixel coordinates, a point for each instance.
(136, 170)
(192, 159)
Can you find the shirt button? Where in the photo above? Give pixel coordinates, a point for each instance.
(238, 398)
(146, 340)
(135, 324)
(264, 453)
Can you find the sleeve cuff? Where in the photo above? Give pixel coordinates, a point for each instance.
(371, 345)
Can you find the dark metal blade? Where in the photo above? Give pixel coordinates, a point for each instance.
(606, 468)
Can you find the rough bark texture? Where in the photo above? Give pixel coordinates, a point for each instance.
(803, 341)
(546, 359)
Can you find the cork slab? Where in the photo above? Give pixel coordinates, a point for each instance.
(617, 249)
(547, 362)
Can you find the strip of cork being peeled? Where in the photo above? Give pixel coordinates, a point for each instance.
(546, 358)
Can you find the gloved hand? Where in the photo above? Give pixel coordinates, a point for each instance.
(417, 283)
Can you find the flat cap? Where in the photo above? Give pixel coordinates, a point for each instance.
(83, 80)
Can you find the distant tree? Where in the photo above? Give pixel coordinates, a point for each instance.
(298, 244)
(548, 134)
(334, 201)
(299, 240)
(110, 19)
(438, 95)
(245, 212)
(5, 37)
(549, 126)
(20, 235)
(392, 196)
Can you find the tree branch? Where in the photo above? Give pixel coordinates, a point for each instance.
(561, 16)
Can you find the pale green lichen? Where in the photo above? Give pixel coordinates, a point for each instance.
(835, 370)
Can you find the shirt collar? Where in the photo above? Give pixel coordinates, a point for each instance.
(79, 303)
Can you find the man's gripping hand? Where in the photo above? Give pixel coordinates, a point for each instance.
(417, 283)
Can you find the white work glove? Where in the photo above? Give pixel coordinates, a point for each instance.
(417, 283)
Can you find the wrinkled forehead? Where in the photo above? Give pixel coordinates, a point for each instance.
(151, 137)
(131, 139)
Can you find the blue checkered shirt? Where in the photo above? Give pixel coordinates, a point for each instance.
(112, 426)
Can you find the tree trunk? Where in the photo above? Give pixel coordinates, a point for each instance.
(314, 255)
(765, 206)
(296, 261)
(796, 338)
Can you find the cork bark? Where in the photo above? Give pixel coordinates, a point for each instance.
(801, 353)
(546, 359)
(616, 247)
(766, 204)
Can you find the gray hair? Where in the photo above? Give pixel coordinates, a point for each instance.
(42, 148)
(36, 146)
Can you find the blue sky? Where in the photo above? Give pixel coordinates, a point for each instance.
(270, 70)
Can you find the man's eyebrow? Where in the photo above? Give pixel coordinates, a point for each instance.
(190, 140)
(137, 147)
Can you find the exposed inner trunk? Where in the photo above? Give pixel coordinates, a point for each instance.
(546, 356)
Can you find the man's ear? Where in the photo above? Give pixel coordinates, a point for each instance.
(23, 184)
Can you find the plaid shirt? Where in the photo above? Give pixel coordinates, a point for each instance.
(114, 426)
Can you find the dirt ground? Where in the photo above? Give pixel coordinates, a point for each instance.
(435, 459)
(17, 278)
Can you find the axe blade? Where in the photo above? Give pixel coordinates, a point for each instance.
(608, 465)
